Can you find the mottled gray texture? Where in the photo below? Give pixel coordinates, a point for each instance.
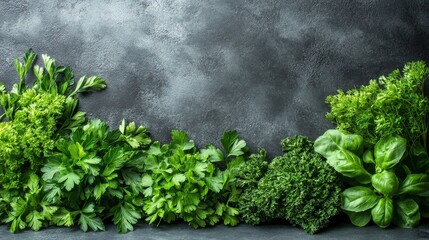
(243, 231)
(261, 67)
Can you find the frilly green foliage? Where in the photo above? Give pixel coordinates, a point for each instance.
(299, 187)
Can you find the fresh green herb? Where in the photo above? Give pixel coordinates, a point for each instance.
(299, 187)
(380, 194)
(36, 117)
(393, 105)
(96, 173)
(183, 183)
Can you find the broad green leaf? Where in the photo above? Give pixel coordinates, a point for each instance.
(90, 220)
(215, 183)
(178, 178)
(415, 184)
(358, 199)
(212, 154)
(180, 140)
(147, 180)
(232, 145)
(35, 220)
(88, 208)
(76, 151)
(155, 149)
(99, 190)
(385, 182)
(333, 141)
(64, 218)
(406, 213)
(69, 180)
(359, 219)
(125, 216)
(349, 165)
(200, 169)
(388, 151)
(382, 213)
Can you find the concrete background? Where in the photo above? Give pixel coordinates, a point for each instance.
(263, 68)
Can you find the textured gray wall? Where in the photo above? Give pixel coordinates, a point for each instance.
(261, 67)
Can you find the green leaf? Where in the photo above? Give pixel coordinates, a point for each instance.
(99, 190)
(215, 183)
(180, 140)
(415, 184)
(178, 178)
(124, 216)
(406, 214)
(147, 180)
(90, 220)
(76, 151)
(385, 182)
(359, 219)
(333, 141)
(382, 213)
(64, 218)
(358, 199)
(232, 145)
(115, 158)
(212, 154)
(388, 151)
(200, 169)
(86, 84)
(51, 168)
(349, 165)
(35, 220)
(69, 180)
(368, 157)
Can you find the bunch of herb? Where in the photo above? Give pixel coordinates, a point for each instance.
(96, 174)
(299, 187)
(384, 189)
(393, 105)
(35, 117)
(183, 183)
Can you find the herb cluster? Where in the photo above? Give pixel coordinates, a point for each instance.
(58, 168)
(299, 187)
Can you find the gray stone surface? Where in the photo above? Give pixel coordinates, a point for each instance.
(261, 67)
(243, 231)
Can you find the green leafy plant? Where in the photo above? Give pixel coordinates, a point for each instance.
(393, 105)
(384, 189)
(299, 187)
(183, 183)
(96, 173)
(36, 116)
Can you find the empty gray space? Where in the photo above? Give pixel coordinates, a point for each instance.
(263, 68)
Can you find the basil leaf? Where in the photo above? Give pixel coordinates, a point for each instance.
(388, 151)
(382, 213)
(406, 214)
(415, 184)
(359, 219)
(385, 182)
(358, 199)
(368, 157)
(349, 165)
(333, 140)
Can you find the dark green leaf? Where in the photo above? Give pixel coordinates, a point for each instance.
(358, 199)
